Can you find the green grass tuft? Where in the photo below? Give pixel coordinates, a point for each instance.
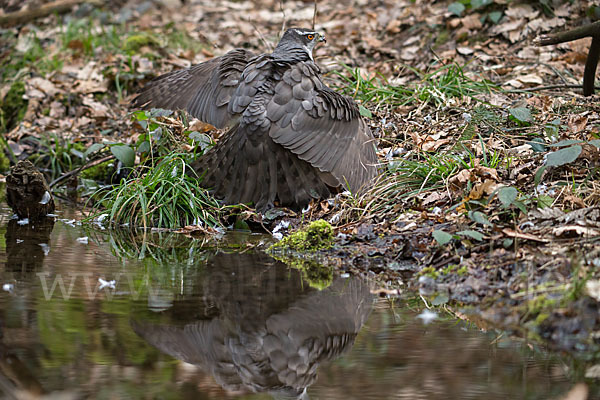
(437, 87)
(164, 196)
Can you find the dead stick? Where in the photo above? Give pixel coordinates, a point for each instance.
(548, 87)
(78, 170)
(314, 16)
(590, 30)
(58, 6)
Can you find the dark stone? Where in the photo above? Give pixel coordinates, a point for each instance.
(27, 192)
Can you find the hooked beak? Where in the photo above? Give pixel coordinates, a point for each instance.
(322, 38)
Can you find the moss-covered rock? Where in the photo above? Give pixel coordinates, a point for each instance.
(135, 42)
(13, 106)
(101, 172)
(318, 235)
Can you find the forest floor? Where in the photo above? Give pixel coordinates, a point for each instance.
(488, 199)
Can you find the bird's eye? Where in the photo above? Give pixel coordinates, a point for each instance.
(310, 36)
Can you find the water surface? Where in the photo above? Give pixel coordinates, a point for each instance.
(210, 320)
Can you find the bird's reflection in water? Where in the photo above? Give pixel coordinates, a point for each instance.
(258, 327)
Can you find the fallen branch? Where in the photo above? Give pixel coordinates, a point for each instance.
(58, 6)
(591, 30)
(78, 170)
(548, 87)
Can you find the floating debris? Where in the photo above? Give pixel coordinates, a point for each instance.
(427, 316)
(108, 284)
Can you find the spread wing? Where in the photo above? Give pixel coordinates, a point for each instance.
(204, 90)
(322, 127)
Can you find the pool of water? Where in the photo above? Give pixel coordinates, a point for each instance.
(89, 314)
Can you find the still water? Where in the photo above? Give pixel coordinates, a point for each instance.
(88, 314)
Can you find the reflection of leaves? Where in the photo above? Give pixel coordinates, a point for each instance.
(563, 156)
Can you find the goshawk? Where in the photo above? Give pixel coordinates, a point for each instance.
(290, 138)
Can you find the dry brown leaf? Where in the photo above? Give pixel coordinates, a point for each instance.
(577, 123)
(459, 181)
(576, 229)
(486, 172)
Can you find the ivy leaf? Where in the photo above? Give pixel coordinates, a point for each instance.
(537, 145)
(595, 142)
(479, 217)
(563, 156)
(565, 143)
(495, 16)
(144, 147)
(124, 153)
(456, 8)
(472, 234)
(507, 195)
(365, 112)
(442, 237)
(475, 4)
(92, 149)
(521, 114)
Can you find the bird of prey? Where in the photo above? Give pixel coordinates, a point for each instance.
(289, 137)
(257, 326)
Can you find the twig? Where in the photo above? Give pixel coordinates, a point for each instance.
(284, 19)
(58, 6)
(78, 170)
(267, 45)
(314, 16)
(590, 30)
(549, 87)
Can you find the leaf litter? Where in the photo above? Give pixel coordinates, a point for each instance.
(488, 197)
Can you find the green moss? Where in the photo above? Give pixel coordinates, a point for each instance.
(134, 42)
(13, 107)
(318, 235)
(539, 304)
(429, 271)
(101, 172)
(442, 38)
(4, 162)
(454, 269)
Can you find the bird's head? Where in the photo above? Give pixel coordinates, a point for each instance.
(299, 39)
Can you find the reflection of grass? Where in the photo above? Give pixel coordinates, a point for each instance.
(166, 248)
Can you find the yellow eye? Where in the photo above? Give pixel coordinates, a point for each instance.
(310, 36)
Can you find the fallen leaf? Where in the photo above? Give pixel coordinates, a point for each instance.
(579, 230)
(527, 236)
